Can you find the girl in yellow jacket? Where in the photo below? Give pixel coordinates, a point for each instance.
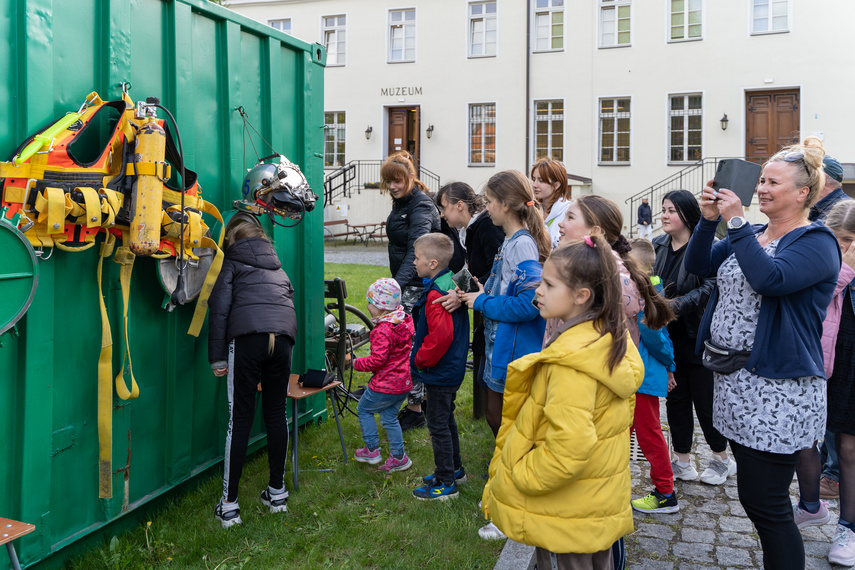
(559, 478)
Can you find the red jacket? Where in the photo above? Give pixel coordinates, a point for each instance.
(390, 357)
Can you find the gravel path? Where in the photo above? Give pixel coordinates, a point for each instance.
(358, 254)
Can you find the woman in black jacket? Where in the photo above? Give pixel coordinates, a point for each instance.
(689, 295)
(461, 208)
(413, 215)
(252, 326)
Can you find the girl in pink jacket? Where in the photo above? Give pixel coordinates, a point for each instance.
(391, 340)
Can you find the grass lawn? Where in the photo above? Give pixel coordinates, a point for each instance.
(352, 517)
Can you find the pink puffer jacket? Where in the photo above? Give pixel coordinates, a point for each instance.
(832, 317)
(390, 357)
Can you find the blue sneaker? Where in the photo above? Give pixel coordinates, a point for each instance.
(440, 492)
(459, 477)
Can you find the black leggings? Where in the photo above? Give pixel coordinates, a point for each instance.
(763, 482)
(251, 362)
(694, 387)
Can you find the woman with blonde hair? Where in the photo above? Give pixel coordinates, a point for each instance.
(761, 335)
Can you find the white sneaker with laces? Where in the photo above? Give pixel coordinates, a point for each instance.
(718, 471)
(842, 547)
(491, 532)
(688, 473)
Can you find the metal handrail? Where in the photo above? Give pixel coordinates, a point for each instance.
(361, 174)
(691, 178)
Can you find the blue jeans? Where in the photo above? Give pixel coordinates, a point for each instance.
(828, 452)
(387, 406)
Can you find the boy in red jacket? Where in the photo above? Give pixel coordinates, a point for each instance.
(391, 339)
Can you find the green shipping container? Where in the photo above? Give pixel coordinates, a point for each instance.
(202, 61)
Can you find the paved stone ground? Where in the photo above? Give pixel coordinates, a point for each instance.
(373, 254)
(711, 529)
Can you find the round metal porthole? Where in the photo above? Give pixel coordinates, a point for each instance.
(19, 275)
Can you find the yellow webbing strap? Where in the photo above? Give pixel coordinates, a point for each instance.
(12, 170)
(93, 207)
(125, 258)
(209, 208)
(207, 287)
(160, 169)
(105, 386)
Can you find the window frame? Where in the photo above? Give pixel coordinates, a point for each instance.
(550, 133)
(753, 5)
(599, 127)
(549, 11)
(602, 6)
(339, 128)
(668, 27)
(471, 19)
(469, 135)
(271, 22)
(389, 39)
(334, 29)
(686, 113)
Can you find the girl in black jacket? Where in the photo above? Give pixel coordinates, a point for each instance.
(251, 331)
(413, 215)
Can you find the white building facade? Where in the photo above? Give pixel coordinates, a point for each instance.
(627, 93)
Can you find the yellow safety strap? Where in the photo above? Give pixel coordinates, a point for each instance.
(125, 258)
(93, 207)
(207, 287)
(105, 386)
(160, 169)
(209, 208)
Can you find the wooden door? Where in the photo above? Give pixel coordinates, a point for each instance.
(404, 132)
(772, 122)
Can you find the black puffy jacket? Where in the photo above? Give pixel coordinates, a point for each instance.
(411, 217)
(252, 295)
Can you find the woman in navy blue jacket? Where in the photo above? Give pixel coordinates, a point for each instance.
(761, 333)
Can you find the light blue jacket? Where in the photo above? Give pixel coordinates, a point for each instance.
(657, 352)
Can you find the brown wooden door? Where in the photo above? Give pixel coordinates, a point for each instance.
(404, 132)
(772, 122)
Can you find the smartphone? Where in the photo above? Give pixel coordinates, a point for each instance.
(739, 176)
(464, 281)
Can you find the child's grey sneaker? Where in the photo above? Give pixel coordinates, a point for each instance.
(718, 471)
(277, 503)
(688, 473)
(491, 532)
(228, 517)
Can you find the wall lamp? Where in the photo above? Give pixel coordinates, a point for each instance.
(724, 121)
(368, 132)
(429, 131)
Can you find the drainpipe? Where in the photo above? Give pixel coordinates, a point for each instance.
(527, 85)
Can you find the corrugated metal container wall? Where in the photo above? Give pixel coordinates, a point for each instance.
(202, 61)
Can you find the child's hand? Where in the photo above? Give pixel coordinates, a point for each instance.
(450, 302)
(672, 382)
(220, 372)
(469, 298)
(849, 255)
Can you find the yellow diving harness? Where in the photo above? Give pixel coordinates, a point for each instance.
(69, 183)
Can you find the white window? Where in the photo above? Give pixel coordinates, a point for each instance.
(770, 16)
(482, 134)
(335, 39)
(549, 25)
(482, 29)
(334, 137)
(685, 128)
(402, 35)
(614, 130)
(615, 23)
(686, 20)
(549, 129)
(281, 25)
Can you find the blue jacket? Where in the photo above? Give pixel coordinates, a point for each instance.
(796, 286)
(520, 327)
(451, 367)
(657, 352)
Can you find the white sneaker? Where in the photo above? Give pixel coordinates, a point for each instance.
(718, 471)
(688, 473)
(491, 532)
(842, 547)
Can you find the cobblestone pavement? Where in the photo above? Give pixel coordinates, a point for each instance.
(373, 254)
(711, 529)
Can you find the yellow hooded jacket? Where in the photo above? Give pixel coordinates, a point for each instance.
(559, 478)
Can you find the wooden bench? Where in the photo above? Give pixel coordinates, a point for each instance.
(332, 229)
(9, 531)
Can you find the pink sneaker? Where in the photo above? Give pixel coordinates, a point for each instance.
(364, 456)
(804, 518)
(843, 547)
(393, 464)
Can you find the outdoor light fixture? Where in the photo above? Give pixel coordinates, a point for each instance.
(368, 132)
(724, 122)
(429, 131)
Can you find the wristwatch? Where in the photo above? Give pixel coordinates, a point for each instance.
(736, 222)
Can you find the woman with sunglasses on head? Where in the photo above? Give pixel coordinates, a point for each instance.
(761, 334)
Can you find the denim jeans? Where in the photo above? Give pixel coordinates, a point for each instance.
(828, 452)
(443, 431)
(387, 406)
